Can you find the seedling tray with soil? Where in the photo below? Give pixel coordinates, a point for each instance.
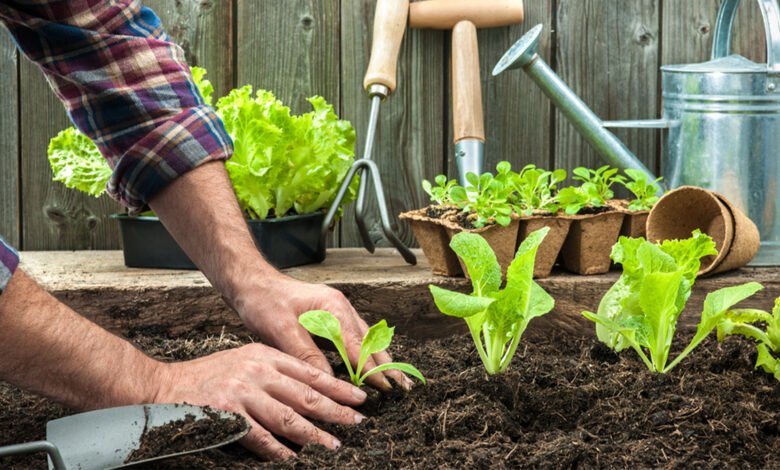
(565, 402)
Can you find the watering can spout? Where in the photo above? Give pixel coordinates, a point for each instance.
(524, 54)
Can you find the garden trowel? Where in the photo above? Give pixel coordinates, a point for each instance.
(104, 439)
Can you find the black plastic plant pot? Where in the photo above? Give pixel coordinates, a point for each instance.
(285, 242)
(147, 244)
(290, 241)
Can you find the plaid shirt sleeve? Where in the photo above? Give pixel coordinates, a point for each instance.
(125, 85)
(9, 260)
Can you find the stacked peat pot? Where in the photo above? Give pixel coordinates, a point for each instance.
(584, 221)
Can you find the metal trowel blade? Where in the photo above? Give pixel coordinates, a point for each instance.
(103, 439)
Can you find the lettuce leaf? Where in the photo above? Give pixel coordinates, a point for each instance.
(77, 163)
(283, 163)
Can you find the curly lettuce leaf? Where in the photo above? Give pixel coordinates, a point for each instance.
(205, 87)
(283, 163)
(77, 163)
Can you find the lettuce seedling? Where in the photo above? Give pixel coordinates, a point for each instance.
(600, 180)
(440, 194)
(325, 325)
(641, 309)
(496, 317)
(487, 197)
(574, 199)
(535, 190)
(743, 322)
(644, 191)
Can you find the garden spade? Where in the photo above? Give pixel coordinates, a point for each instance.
(104, 439)
(380, 82)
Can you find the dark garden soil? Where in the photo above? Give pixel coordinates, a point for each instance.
(187, 434)
(565, 403)
(439, 212)
(594, 210)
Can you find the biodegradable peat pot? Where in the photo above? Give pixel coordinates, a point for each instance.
(502, 240)
(634, 222)
(685, 209)
(285, 242)
(589, 243)
(552, 243)
(434, 241)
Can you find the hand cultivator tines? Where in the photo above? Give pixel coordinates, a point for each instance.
(389, 27)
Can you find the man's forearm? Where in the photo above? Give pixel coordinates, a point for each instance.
(48, 349)
(202, 213)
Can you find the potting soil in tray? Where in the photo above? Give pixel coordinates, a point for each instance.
(564, 403)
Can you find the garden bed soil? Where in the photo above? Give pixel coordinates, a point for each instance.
(565, 402)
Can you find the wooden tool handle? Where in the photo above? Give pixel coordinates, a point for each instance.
(467, 118)
(389, 27)
(445, 14)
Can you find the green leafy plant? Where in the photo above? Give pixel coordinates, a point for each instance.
(574, 199)
(641, 309)
(440, 194)
(284, 163)
(535, 190)
(599, 181)
(645, 191)
(747, 323)
(77, 163)
(486, 197)
(496, 317)
(205, 87)
(378, 338)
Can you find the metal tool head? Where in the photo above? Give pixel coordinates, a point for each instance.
(104, 439)
(522, 52)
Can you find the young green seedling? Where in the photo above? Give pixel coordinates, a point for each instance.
(440, 194)
(644, 191)
(486, 197)
(574, 199)
(743, 322)
(641, 309)
(534, 190)
(325, 325)
(601, 180)
(496, 317)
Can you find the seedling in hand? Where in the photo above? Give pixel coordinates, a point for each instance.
(496, 317)
(325, 325)
(642, 308)
(645, 192)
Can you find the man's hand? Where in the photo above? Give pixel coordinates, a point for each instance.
(273, 391)
(200, 210)
(272, 309)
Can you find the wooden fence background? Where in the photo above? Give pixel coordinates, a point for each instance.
(608, 51)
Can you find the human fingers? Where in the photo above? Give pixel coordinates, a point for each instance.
(263, 443)
(284, 421)
(307, 401)
(338, 390)
(294, 340)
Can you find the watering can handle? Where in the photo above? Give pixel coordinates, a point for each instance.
(723, 27)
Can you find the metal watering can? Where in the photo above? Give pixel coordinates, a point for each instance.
(722, 116)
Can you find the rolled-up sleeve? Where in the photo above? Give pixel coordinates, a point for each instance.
(125, 85)
(9, 260)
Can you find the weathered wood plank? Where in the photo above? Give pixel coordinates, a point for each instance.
(517, 114)
(380, 287)
(204, 30)
(688, 31)
(291, 47)
(608, 53)
(409, 144)
(9, 141)
(55, 218)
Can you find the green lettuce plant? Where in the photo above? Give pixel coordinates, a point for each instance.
(599, 181)
(486, 197)
(748, 323)
(642, 308)
(535, 190)
(645, 191)
(284, 163)
(574, 199)
(378, 338)
(440, 193)
(77, 163)
(496, 317)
